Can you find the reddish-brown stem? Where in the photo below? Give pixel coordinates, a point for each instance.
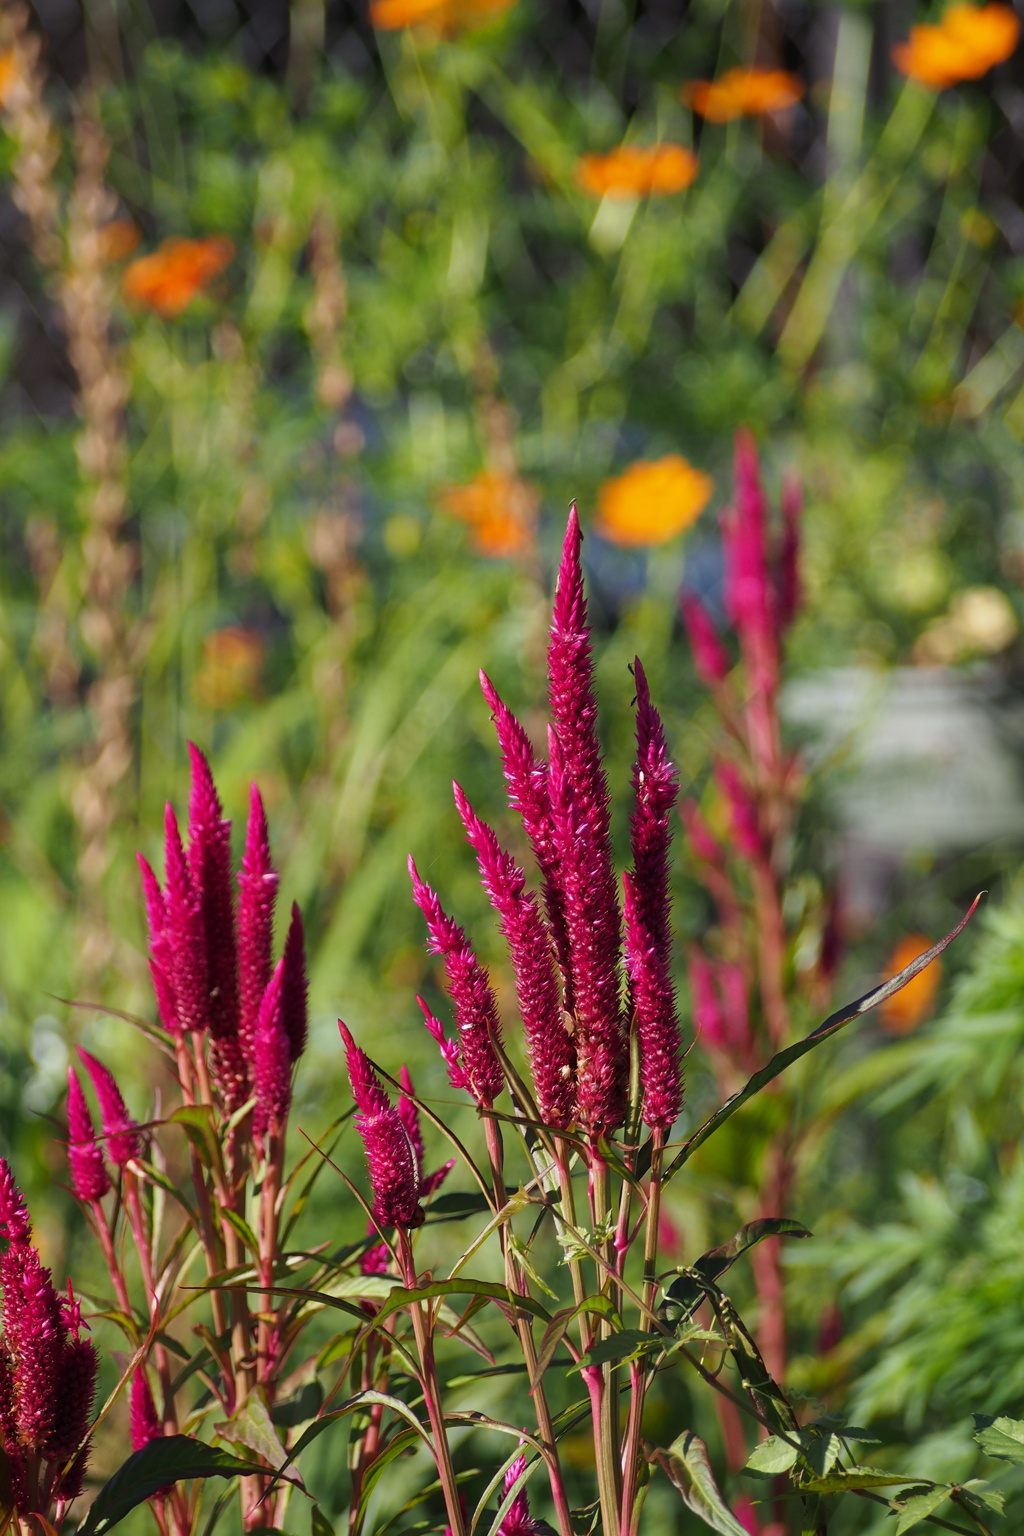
(431, 1392)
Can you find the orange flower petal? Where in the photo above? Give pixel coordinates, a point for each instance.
(635, 171)
(965, 45)
(170, 278)
(743, 93)
(441, 17)
(652, 501)
(499, 511)
(902, 1013)
(8, 73)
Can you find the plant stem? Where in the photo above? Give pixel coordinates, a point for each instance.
(431, 1392)
(638, 1368)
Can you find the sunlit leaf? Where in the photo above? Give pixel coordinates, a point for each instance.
(686, 1464)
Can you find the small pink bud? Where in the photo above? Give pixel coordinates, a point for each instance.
(124, 1143)
(85, 1160)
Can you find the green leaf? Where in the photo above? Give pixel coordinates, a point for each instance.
(457, 1206)
(799, 1048)
(400, 1298)
(917, 1505)
(169, 1459)
(302, 1406)
(559, 1325)
(1001, 1437)
(687, 1466)
(319, 1523)
(375, 1471)
(251, 1426)
(684, 1294)
(856, 1477)
(772, 1456)
(976, 1492)
(620, 1346)
(197, 1122)
(242, 1227)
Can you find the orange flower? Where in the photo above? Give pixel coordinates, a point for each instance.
(168, 280)
(635, 171)
(443, 18)
(231, 667)
(652, 502)
(907, 1009)
(499, 511)
(118, 239)
(965, 45)
(8, 73)
(743, 93)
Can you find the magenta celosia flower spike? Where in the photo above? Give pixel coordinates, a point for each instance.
(710, 656)
(749, 593)
(77, 1375)
(742, 809)
(144, 1424)
(389, 1152)
(476, 1012)
(34, 1329)
(648, 930)
(257, 888)
(294, 987)
(120, 1131)
(426, 1183)
(85, 1159)
(527, 780)
(184, 929)
(272, 1062)
(550, 1048)
(518, 1521)
(449, 1048)
(14, 1220)
(161, 957)
(580, 814)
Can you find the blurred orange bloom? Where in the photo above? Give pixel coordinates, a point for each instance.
(118, 239)
(652, 502)
(231, 667)
(902, 1013)
(443, 18)
(168, 280)
(498, 510)
(743, 93)
(635, 171)
(8, 73)
(965, 45)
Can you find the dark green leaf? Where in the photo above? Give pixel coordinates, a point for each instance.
(455, 1206)
(319, 1523)
(685, 1294)
(401, 1298)
(394, 1448)
(302, 1406)
(620, 1346)
(170, 1459)
(1001, 1437)
(687, 1466)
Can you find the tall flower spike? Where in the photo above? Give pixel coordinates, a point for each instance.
(710, 656)
(294, 987)
(78, 1367)
(518, 1521)
(527, 781)
(549, 1044)
(749, 596)
(602, 1048)
(85, 1160)
(184, 931)
(14, 1221)
(581, 820)
(476, 1012)
(17, 1469)
(742, 809)
(648, 932)
(161, 958)
(144, 1425)
(38, 1342)
(121, 1132)
(257, 888)
(389, 1152)
(449, 1048)
(272, 1062)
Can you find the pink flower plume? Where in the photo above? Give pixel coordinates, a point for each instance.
(184, 930)
(144, 1424)
(272, 1061)
(257, 891)
(85, 1159)
(15, 1225)
(710, 656)
(389, 1152)
(120, 1131)
(161, 957)
(449, 1048)
(476, 1012)
(294, 987)
(549, 1044)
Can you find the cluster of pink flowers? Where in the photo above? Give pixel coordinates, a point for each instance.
(584, 978)
(47, 1372)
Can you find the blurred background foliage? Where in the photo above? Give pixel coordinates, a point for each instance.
(287, 500)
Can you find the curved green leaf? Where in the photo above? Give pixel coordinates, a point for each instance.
(1001, 1437)
(170, 1459)
(401, 1298)
(686, 1465)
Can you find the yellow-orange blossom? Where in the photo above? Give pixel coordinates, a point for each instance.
(635, 170)
(966, 44)
(743, 93)
(652, 501)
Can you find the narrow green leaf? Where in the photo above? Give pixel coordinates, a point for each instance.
(319, 1523)
(856, 1477)
(170, 1459)
(394, 1448)
(197, 1122)
(242, 1227)
(799, 1048)
(456, 1206)
(917, 1504)
(686, 1465)
(401, 1298)
(1000, 1437)
(772, 1456)
(685, 1294)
